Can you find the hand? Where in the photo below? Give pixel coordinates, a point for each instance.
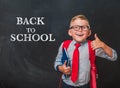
(96, 43)
(65, 69)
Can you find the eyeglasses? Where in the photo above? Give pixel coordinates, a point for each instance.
(77, 28)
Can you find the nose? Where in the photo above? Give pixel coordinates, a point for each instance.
(80, 29)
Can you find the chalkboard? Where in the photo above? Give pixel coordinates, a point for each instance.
(31, 32)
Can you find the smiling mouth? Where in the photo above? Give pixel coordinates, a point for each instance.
(80, 35)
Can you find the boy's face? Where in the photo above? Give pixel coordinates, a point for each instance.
(79, 30)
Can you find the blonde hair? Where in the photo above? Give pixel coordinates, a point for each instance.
(82, 17)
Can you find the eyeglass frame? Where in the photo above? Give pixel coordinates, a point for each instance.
(80, 27)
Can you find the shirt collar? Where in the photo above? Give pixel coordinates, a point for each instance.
(82, 43)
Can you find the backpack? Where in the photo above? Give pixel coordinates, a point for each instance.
(92, 58)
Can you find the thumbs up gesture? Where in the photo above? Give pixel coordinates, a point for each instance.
(96, 43)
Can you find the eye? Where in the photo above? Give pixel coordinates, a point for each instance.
(83, 27)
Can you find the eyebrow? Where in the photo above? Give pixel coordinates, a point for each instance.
(80, 25)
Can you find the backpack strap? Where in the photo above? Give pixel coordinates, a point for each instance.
(66, 44)
(93, 70)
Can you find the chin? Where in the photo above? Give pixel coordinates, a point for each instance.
(80, 40)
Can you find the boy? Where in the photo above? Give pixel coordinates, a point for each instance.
(78, 76)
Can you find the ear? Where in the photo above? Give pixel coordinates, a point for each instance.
(69, 32)
(89, 33)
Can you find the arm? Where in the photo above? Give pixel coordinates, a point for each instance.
(58, 64)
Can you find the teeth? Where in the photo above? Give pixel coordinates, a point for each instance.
(79, 34)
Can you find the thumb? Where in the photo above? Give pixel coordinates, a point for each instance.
(65, 63)
(96, 37)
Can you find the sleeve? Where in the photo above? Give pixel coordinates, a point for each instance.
(100, 53)
(58, 58)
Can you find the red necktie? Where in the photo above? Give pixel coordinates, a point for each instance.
(75, 63)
